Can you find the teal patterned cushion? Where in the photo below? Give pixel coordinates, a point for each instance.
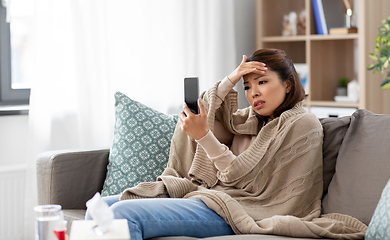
(379, 227)
(140, 149)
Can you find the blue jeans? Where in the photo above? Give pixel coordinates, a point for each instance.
(161, 217)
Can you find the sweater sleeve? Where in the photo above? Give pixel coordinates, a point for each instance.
(220, 132)
(217, 152)
(223, 89)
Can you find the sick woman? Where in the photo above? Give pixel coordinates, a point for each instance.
(256, 170)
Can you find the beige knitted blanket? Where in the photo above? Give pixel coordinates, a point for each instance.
(274, 187)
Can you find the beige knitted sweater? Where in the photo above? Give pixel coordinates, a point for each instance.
(274, 187)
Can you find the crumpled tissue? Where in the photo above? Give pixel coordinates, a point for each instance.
(101, 213)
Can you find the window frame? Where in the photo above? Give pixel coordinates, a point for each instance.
(8, 95)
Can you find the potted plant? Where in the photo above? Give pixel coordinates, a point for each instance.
(342, 87)
(381, 55)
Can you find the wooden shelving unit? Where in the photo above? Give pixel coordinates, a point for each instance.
(328, 57)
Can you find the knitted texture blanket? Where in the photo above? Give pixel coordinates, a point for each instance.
(273, 187)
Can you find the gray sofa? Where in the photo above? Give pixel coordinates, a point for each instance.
(356, 169)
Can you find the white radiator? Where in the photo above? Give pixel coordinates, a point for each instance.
(12, 182)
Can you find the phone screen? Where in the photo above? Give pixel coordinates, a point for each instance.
(191, 93)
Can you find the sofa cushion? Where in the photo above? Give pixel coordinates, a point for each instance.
(362, 168)
(76, 171)
(379, 227)
(334, 132)
(140, 149)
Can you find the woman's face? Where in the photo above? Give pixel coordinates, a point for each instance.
(266, 92)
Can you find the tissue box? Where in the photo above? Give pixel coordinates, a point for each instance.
(83, 229)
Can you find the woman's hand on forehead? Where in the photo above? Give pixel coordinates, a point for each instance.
(245, 68)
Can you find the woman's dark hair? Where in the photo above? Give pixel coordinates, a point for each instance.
(276, 60)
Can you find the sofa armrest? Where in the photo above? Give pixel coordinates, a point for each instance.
(70, 177)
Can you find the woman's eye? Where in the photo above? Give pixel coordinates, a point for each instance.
(246, 88)
(262, 82)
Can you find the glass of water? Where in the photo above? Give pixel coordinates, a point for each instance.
(47, 218)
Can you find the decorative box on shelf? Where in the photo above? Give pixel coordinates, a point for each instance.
(342, 30)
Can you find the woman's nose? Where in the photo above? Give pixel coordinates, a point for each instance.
(255, 93)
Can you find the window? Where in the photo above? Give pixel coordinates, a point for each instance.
(14, 88)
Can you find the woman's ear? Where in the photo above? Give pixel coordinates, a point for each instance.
(288, 86)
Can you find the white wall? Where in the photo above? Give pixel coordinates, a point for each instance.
(14, 132)
(14, 144)
(245, 25)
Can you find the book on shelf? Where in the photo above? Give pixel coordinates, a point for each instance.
(319, 17)
(328, 14)
(342, 30)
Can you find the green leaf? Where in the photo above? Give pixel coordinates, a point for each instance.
(386, 26)
(372, 66)
(381, 55)
(386, 83)
(386, 64)
(373, 57)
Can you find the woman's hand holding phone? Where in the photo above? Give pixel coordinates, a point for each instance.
(194, 125)
(245, 68)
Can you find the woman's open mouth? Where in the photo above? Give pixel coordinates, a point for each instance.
(258, 104)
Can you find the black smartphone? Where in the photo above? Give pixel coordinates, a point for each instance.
(191, 93)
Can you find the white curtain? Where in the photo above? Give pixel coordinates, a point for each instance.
(86, 50)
